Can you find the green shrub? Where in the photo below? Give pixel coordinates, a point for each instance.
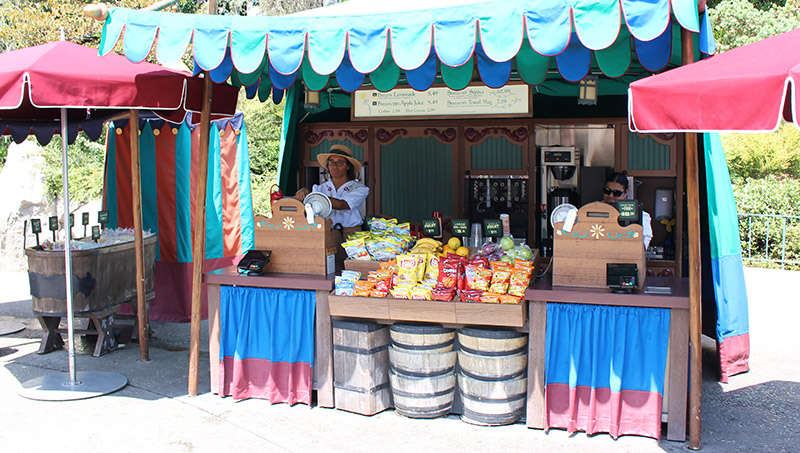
(754, 156)
(86, 167)
(762, 237)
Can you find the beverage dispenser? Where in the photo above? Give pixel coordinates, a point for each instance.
(488, 196)
(559, 176)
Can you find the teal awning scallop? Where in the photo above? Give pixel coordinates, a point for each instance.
(359, 41)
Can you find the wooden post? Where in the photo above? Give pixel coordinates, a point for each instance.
(693, 209)
(136, 186)
(199, 242)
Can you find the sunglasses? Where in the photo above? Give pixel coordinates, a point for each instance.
(608, 191)
(337, 163)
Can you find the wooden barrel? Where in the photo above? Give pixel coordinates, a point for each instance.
(421, 363)
(361, 367)
(492, 364)
(421, 337)
(422, 396)
(487, 342)
(492, 367)
(492, 402)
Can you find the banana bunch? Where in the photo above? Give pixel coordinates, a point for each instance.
(427, 245)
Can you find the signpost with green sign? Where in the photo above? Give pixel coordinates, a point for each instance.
(460, 227)
(431, 228)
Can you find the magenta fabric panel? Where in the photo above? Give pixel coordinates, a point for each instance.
(173, 287)
(279, 382)
(734, 355)
(602, 411)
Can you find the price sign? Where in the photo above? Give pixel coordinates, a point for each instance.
(492, 228)
(36, 226)
(628, 210)
(95, 233)
(53, 223)
(460, 227)
(85, 218)
(102, 217)
(431, 228)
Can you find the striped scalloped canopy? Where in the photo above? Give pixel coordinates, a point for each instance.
(361, 39)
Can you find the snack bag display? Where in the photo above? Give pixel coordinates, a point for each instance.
(432, 267)
(343, 286)
(401, 291)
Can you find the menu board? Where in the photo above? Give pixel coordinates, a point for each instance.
(36, 226)
(628, 210)
(53, 221)
(508, 101)
(492, 228)
(85, 218)
(102, 217)
(460, 227)
(431, 228)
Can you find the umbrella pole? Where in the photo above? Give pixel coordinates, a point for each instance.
(693, 203)
(199, 245)
(72, 385)
(67, 248)
(136, 186)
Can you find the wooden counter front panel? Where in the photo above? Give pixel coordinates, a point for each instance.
(466, 313)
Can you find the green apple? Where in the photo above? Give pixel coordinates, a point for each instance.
(507, 243)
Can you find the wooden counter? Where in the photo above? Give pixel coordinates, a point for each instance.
(323, 335)
(677, 374)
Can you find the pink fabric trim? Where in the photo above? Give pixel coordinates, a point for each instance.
(600, 410)
(278, 382)
(734, 356)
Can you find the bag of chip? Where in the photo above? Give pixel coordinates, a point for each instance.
(407, 268)
(499, 283)
(490, 298)
(509, 299)
(356, 249)
(443, 294)
(499, 265)
(378, 293)
(420, 293)
(448, 272)
(401, 291)
(518, 282)
(432, 268)
(469, 295)
(477, 277)
(362, 288)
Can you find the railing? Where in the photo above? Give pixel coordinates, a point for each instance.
(770, 238)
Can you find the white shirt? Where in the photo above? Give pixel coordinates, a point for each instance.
(352, 192)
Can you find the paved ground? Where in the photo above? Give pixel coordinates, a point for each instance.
(756, 412)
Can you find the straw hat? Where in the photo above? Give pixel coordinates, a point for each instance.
(339, 150)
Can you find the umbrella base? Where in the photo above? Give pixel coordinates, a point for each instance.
(7, 327)
(58, 387)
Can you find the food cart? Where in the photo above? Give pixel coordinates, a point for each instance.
(522, 160)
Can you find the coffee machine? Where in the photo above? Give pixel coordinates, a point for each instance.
(488, 196)
(559, 179)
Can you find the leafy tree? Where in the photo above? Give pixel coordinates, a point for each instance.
(754, 156)
(740, 22)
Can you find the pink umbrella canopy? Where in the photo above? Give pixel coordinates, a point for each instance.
(750, 88)
(36, 82)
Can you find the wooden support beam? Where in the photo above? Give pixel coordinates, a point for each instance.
(695, 277)
(136, 186)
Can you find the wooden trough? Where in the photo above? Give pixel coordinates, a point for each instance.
(102, 279)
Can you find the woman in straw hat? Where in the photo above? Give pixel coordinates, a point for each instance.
(347, 195)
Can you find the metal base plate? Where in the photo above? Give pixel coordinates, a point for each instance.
(58, 387)
(7, 327)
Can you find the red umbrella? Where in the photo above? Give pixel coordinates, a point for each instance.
(42, 90)
(36, 82)
(750, 88)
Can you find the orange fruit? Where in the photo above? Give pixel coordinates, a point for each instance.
(447, 249)
(462, 251)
